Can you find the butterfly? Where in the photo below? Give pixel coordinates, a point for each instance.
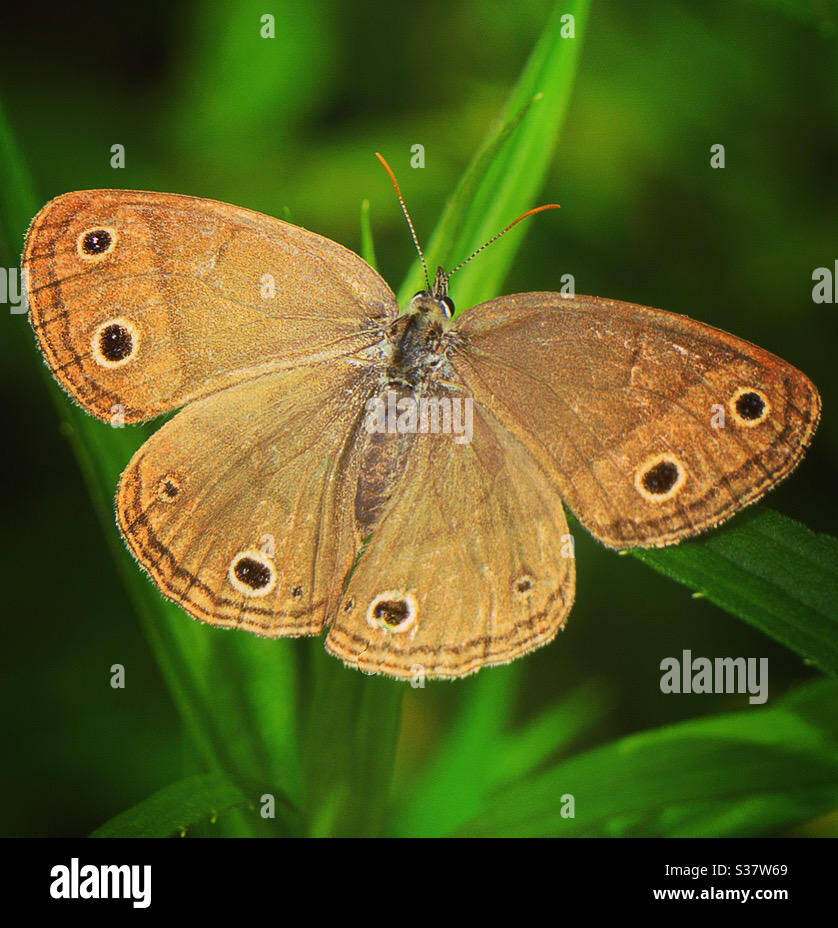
(395, 480)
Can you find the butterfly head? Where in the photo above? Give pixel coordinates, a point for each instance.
(435, 303)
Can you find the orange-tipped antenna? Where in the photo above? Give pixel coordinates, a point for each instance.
(494, 238)
(406, 216)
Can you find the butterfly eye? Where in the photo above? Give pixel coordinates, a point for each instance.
(448, 303)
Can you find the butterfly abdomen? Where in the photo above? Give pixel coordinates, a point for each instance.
(383, 459)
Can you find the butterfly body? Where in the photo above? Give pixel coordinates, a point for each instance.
(393, 480)
(383, 459)
(419, 340)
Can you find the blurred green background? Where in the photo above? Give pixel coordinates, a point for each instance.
(205, 106)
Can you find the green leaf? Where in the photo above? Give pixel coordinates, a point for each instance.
(367, 243)
(453, 785)
(479, 754)
(770, 571)
(750, 772)
(175, 809)
(522, 751)
(508, 171)
(17, 197)
(349, 749)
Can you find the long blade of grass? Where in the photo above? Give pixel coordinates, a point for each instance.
(500, 182)
(177, 808)
(453, 785)
(367, 241)
(507, 173)
(749, 772)
(479, 755)
(519, 149)
(770, 571)
(522, 751)
(349, 749)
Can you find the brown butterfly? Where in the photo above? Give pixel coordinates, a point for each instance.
(309, 482)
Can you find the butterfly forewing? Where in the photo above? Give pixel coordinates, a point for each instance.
(142, 302)
(654, 426)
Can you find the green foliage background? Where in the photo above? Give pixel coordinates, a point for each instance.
(209, 721)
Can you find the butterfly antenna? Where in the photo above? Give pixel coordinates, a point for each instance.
(494, 238)
(407, 217)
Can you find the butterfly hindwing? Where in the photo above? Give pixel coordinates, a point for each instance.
(240, 506)
(470, 565)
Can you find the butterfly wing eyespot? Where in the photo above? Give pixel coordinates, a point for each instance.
(393, 611)
(115, 342)
(660, 478)
(253, 573)
(168, 489)
(96, 243)
(522, 585)
(749, 407)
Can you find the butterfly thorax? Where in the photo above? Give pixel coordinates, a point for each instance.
(418, 340)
